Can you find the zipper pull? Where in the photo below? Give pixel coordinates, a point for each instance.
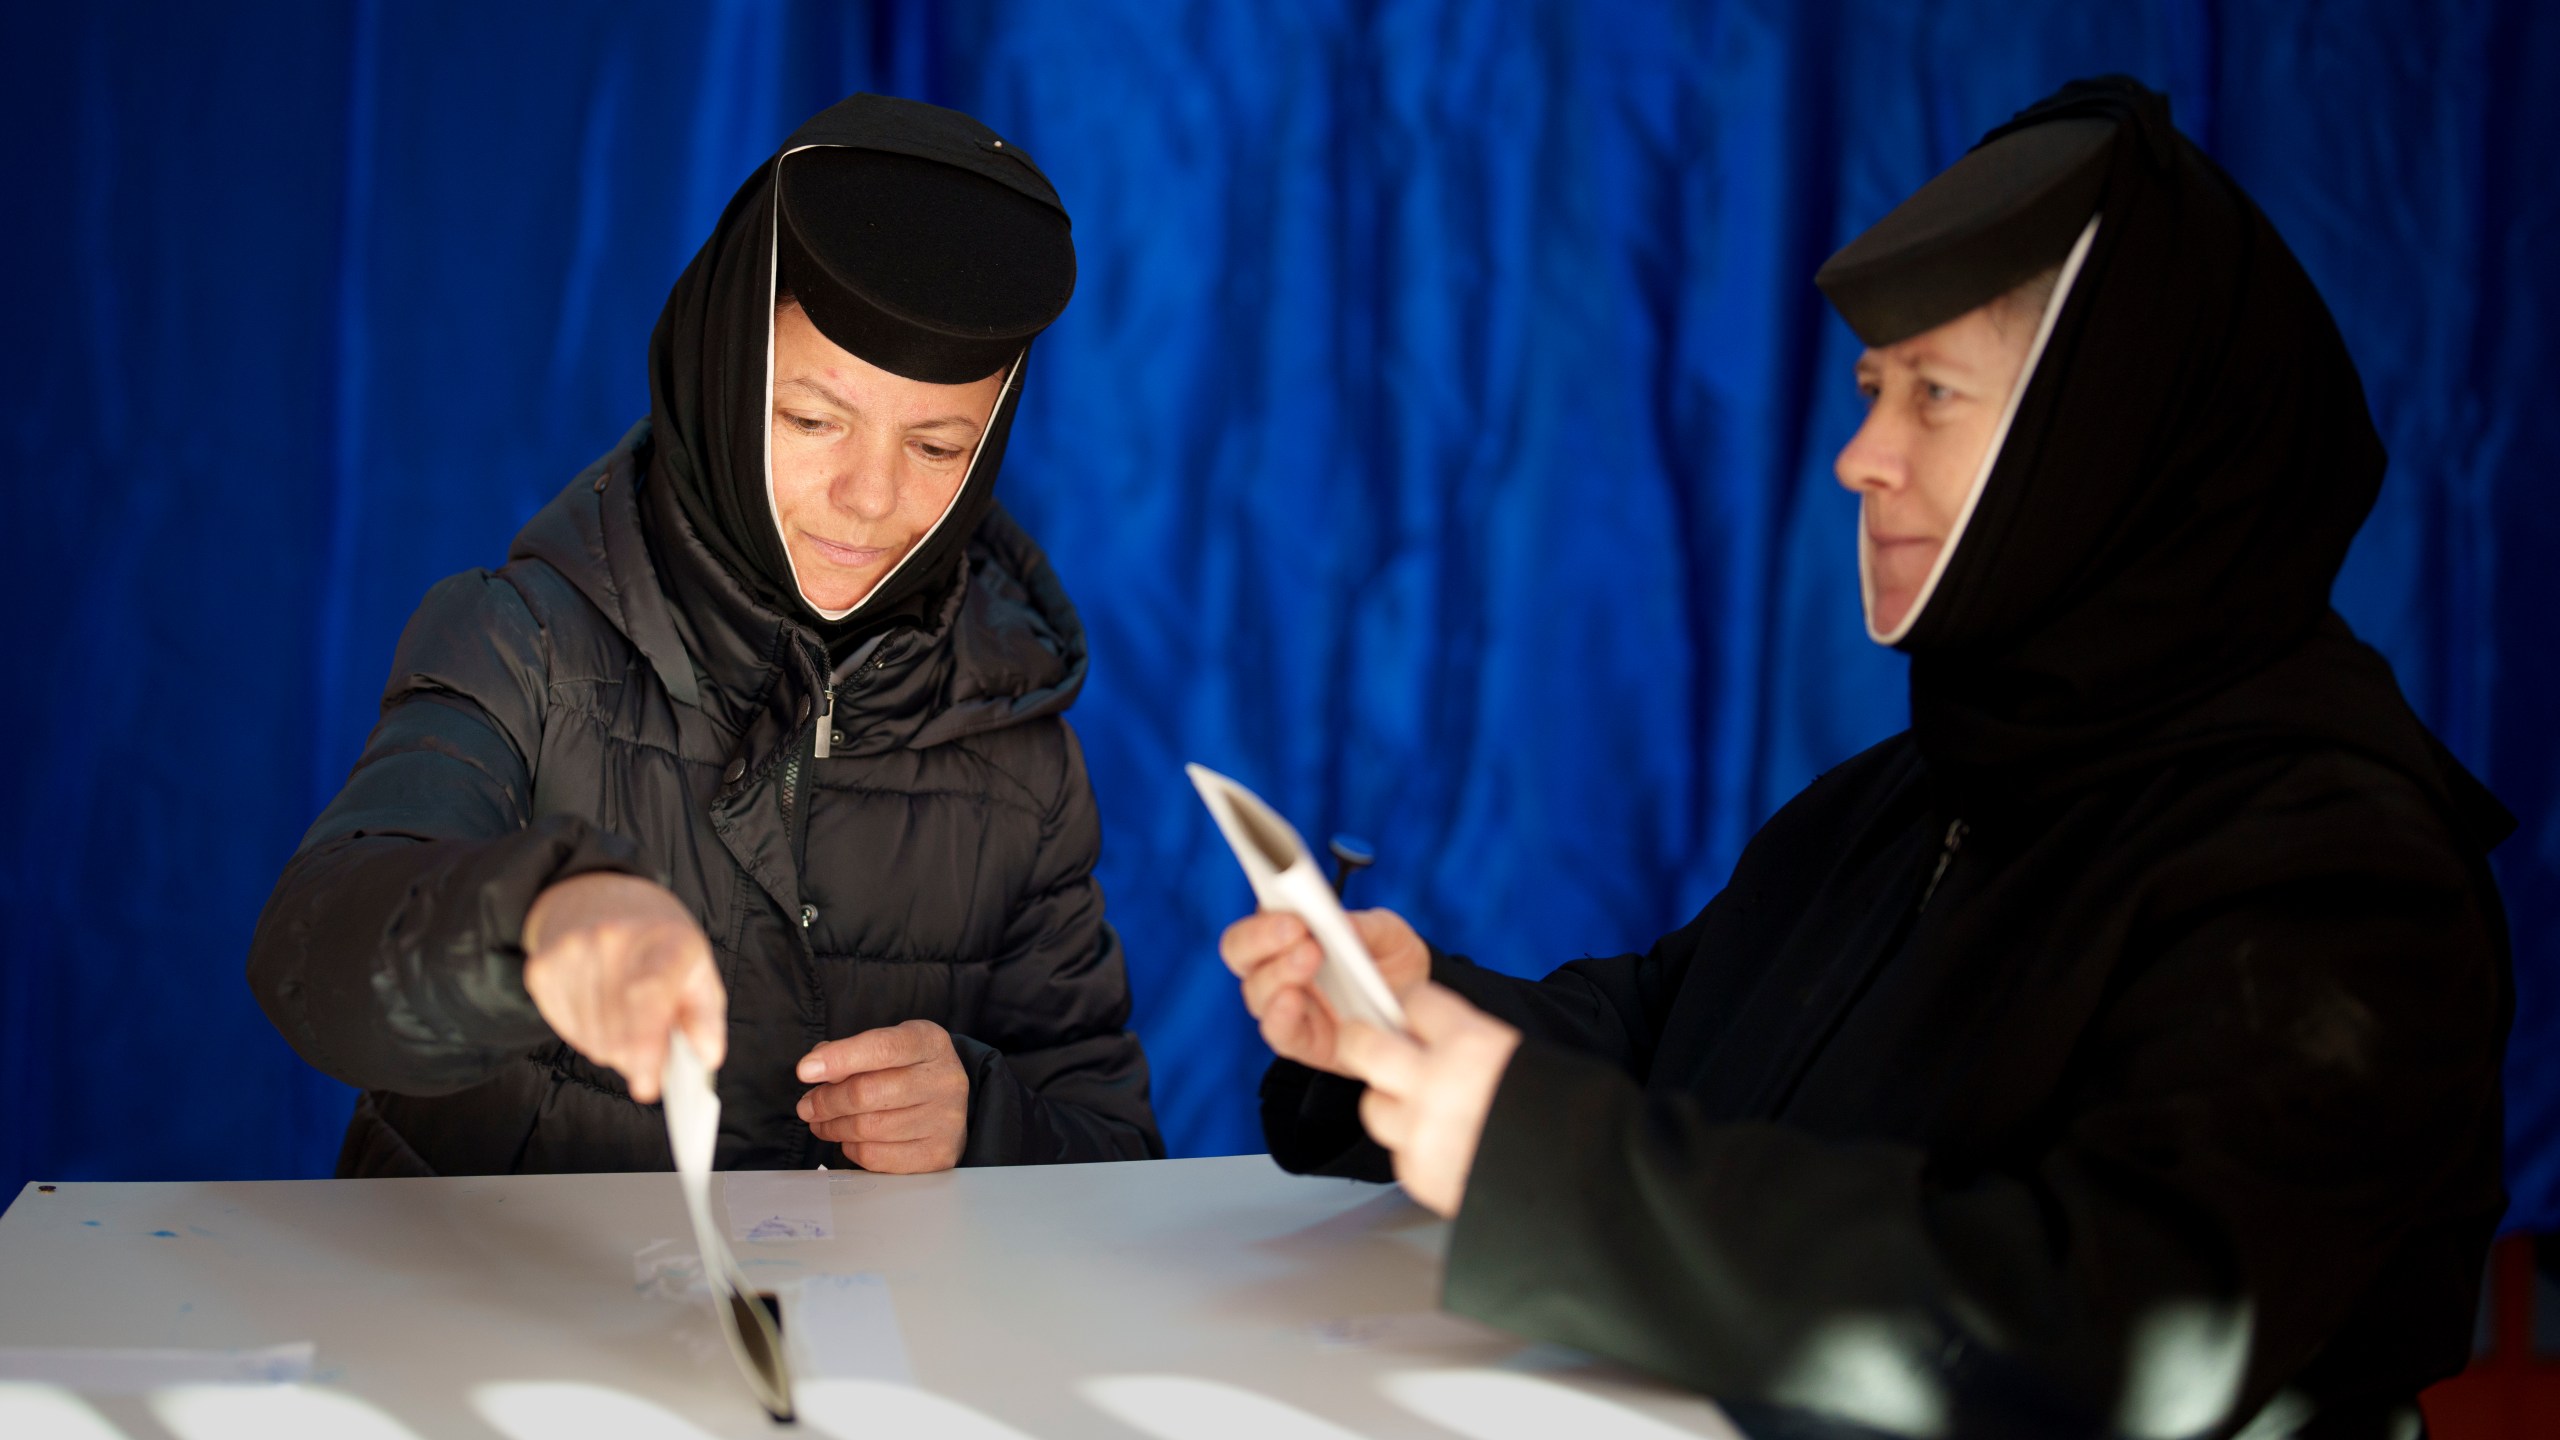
(1946, 857)
(826, 723)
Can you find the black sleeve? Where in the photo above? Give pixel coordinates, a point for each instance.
(1608, 1008)
(2253, 1126)
(390, 954)
(1057, 1077)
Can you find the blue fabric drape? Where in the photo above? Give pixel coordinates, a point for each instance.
(1439, 439)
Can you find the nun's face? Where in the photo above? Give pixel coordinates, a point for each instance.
(864, 462)
(1933, 403)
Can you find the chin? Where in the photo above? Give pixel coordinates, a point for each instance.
(1894, 574)
(840, 599)
(828, 586)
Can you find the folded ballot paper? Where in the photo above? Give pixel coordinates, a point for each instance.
(1286, 879)
(747, 1319)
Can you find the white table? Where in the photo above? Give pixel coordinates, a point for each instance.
(1185, 1299)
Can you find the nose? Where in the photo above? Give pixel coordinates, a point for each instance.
(867, 486)
(1874, 460)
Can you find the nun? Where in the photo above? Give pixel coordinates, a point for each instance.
(2116, 1050)
(757, 734)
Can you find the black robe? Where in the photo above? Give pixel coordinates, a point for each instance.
(2117, 1051)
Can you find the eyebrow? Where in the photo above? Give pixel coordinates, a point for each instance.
(821, 392)
(1916, 355)
(814, 389)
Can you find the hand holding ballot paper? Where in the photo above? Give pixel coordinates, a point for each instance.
(1352, 995)
(1303, 946)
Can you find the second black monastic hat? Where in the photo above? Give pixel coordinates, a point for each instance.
(930, 249)
(2010, 208)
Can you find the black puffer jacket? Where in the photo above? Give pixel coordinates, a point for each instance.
(612, 700)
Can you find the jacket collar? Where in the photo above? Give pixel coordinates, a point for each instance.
(590, 533)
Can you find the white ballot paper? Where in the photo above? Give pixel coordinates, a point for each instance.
(1285, 878)
(693, 1129)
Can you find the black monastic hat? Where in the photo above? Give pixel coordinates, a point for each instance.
(2010, 208)
(929, 248)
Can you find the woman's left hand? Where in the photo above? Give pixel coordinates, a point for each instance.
(897, 1099)
(1429, 1092)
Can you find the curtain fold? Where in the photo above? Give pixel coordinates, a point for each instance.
(1439, 440)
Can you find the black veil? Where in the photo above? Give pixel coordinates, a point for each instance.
(2146, 570)
(913, 296)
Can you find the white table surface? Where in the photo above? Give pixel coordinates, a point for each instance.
(1183, 1299)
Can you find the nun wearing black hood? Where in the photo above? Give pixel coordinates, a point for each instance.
(2115, 1052)
(756, 735)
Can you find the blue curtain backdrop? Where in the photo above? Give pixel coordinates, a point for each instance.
(1439, 439)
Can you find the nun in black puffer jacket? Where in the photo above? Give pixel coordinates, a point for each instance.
(756, 735)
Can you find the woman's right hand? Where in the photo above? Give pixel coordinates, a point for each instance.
(614, 963)
(1277, 959)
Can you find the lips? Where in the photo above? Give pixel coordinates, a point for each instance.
(1899, 561)
(852, 557)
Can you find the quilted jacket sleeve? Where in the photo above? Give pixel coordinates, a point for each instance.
(390, 953)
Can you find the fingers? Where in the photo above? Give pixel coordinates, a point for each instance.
(669, 980)
(1430, 1091)
(612, 1000)
(640, 1077)
(1387, 1118)
(702, 1010)
(1402, 958)
(892, 1089)
(1380, 929)
(1288, 969)
(1277, 959)
(1256, 938)
(1388, 1062)
(912, 1122)
(908, 1044)
(633, 1035)
(902, 1119)
(615, 964)
(1300, 1027)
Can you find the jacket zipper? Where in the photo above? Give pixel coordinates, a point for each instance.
(825, 745)
(1946, 856)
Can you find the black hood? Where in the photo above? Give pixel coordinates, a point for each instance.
(709, 358)
(2146, 571)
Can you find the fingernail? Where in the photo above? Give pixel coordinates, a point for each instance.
(811, 1068)
(802, 1109)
